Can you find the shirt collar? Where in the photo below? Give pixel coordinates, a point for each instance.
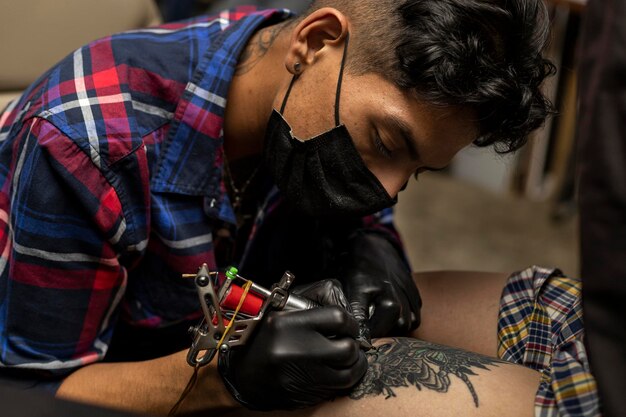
(191, 159)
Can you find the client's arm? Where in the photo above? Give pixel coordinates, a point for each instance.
(410, 377)
(151, 386)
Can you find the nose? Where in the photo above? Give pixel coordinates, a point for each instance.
(394, 185)
(393, 178)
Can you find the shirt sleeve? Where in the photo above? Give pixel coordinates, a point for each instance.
(62, 225)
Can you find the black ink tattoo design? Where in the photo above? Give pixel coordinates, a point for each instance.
(257, 48)
(403, 362)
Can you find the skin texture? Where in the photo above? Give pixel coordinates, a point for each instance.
(458, 305)
(412, 375)
(151, 386)
(409, 375)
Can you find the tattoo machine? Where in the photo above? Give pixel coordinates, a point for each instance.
(232, 307)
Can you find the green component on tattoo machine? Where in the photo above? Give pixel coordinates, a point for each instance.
(231, 272)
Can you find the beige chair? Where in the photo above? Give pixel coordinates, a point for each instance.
(35, 34)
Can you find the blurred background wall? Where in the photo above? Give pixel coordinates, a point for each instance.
(35, 34)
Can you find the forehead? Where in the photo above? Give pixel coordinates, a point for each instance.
(454, 126)
(457, 125)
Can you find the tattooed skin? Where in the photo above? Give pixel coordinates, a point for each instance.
(402, 362)
(257, 48)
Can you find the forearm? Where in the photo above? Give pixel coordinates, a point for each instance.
(151, 386)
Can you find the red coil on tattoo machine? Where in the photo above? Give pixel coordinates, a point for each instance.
(232, 307)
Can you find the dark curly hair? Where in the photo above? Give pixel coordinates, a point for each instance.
(485, 54)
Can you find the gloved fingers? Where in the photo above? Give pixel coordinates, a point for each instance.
(361, 316)
(404, 322)
(324, 292)
(339, 353)
(399, 273)
(405, 281)
(360, 302)
(347, 378)
(386, 316)
(364, 332)
(416, 306)
(304, 352)
(381, 250)
(330, 321)
(415, 319)
(411, 301)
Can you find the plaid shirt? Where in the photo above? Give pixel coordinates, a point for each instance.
(540, 325)
(111, 173)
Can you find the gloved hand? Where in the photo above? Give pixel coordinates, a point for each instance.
(297, 358)
(327, 292)
(375, 279)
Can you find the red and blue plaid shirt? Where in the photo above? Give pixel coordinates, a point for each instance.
(111, 173)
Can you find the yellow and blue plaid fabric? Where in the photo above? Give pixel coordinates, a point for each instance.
(540, 325)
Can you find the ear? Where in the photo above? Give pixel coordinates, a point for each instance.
(324, 28)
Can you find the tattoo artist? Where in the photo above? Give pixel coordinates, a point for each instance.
(253, 138)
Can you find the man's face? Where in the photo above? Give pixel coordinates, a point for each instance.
(396, 134)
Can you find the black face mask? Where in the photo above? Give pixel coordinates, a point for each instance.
(325, 175)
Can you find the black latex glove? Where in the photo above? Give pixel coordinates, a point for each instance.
(326, 292)
(297, 358)
(376, 279)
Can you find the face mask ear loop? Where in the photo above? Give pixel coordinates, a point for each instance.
(282, 107)
(338, 94)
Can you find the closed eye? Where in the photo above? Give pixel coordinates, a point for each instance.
(380, 146)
